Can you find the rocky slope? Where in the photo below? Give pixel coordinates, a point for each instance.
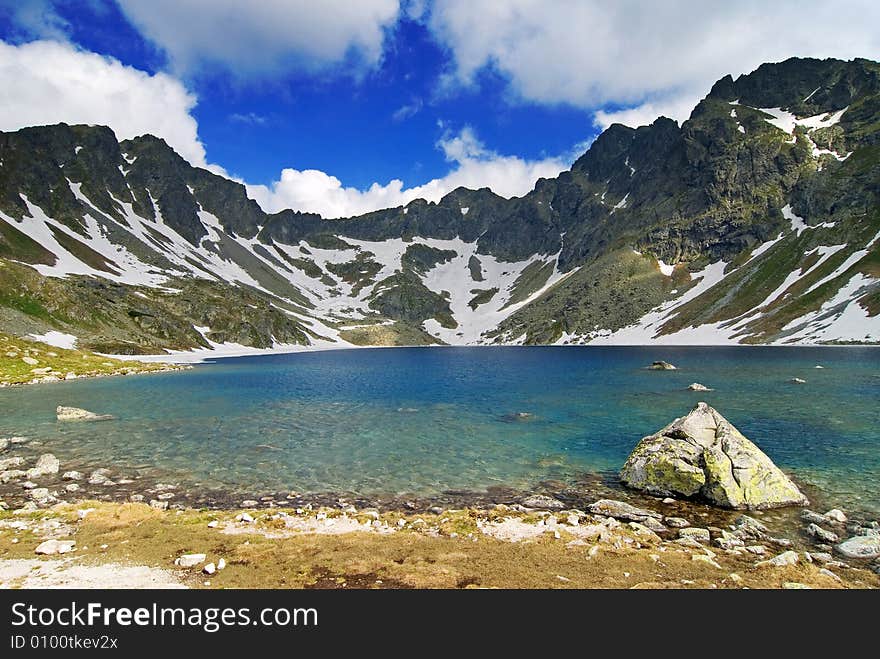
(755, 221)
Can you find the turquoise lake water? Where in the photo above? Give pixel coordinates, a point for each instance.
(422, 421)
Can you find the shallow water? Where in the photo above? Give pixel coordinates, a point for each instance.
(423, 421)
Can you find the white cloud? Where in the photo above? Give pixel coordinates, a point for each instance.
(45, 82)
(654, 55)
(474, 167)
(641, 115)
(263, 37)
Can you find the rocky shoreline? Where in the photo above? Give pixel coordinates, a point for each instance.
(593, 511)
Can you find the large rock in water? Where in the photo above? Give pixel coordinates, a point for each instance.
(702, 455)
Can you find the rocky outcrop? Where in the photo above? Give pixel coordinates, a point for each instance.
(78, 414)
(702, 455)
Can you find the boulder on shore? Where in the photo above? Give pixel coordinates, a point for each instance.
(702, 455)
(78, 414)
(662, 366)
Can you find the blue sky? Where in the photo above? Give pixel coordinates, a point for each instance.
(312, 103)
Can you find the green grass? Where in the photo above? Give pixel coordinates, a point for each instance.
(14, 370)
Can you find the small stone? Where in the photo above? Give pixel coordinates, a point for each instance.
(210, 568)
(71, 476)
(165, 496)
(29, 485)
(82, 514)
(669, 500)
(573, 520)
(735, 578)
(759, 550)
(695, 533)
(542, 502)
(72, 487)
(40, 494)
(213, 524)
(46, 464)
(829, 573)
(244, 517)
(136, 497)
(836, 515)
(821, 557)
(821, 534)
(50, 547)
(158, 505)
(221, 564)
(797, 381)
(813, 518)
(796, 585)
(703, 558)
(30, 361)
(249, 503)
(696, 386)
(190, 560)
(688, 542)
(677, 522)
(622, 510)
(785, 558)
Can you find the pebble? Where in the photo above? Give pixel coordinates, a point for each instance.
(210, 568)
(785, 558)
(190, 560)
(829, 573)
(244, 517)
(71, 476)
(695, 533)
(50, 547)
(221, 564)
(213, 524)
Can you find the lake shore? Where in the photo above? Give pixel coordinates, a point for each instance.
(135, 545)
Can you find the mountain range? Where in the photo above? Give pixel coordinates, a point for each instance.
(755, 221)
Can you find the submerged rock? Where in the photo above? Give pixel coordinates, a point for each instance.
(696, 386)
(798, 381)
(662, 366)
(703, 455)
(822, 535)
(78, 414)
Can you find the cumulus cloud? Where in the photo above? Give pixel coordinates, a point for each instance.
(249, 38)
(45, 82)
(474, 166)
(655, 56)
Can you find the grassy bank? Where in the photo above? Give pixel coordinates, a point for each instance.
(23, 362)
(499, 548)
